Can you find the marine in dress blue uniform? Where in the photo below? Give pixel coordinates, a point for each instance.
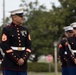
(16, 44)
(65, 55)
(72, 42)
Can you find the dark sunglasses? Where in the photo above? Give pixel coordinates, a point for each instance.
(70, 31)
(74, 28)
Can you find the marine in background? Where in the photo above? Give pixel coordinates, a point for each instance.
(65, 55)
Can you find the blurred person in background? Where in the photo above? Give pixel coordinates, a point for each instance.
(65, 55)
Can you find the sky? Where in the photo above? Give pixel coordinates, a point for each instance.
(14, 4)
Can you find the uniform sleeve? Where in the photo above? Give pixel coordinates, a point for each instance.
(28, 47)
(61, 52)
(6, 46)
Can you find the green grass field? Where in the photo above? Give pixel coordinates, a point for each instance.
(53, 74)
(45, 73)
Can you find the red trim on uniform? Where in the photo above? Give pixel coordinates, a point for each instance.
(4, 37)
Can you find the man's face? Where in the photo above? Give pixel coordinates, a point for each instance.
(18, 19)
(70, 34)
(74, 30)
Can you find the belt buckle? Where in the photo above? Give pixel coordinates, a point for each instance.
(19, 48)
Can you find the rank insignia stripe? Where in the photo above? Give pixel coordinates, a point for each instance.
(4, 37)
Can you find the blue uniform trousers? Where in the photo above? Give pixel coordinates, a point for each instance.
(69, 71)
(64, 71)
(10, 72)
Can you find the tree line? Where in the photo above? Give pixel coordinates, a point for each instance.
(46, 26)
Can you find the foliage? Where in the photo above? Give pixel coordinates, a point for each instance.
(42, 67)
(47, 26)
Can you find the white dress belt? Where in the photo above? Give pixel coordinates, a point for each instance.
(74, 51)
(18, 48)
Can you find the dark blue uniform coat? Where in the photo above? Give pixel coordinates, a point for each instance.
(15, 36)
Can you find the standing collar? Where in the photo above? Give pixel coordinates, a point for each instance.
(15, 24)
